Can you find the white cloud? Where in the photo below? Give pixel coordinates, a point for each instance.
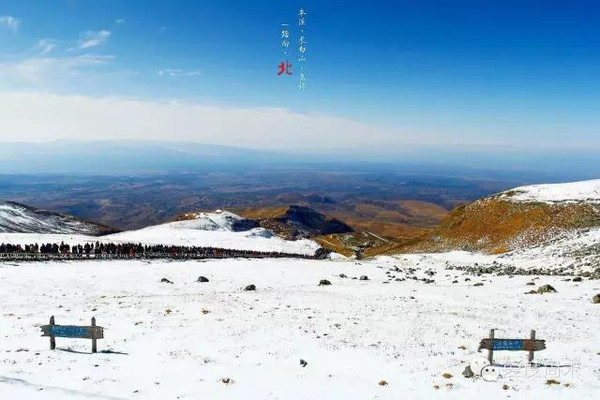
(42, 70)
(45, 46)
(120, 21)
(38, 117)
(179, 72)
(93, 38)
(11, 22)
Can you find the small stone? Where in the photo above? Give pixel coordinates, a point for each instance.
(577, 279)
(324, 282)
(363, 278)
(165, 280)
(303, 363)
(202, 279)
(546, 289)
(478, 284)
(596, 299)
(468, 372)
(250, 287)
(342, 276)
(382, 383)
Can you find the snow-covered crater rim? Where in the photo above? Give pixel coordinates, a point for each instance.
(573, 192)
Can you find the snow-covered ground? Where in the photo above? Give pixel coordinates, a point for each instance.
(169, 341)
(576, 252)
(559, 192)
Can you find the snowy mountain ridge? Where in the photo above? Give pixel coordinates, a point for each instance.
(19, 218)
(582, 191)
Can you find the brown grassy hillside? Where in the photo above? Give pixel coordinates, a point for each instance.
(493, 225)
(377, 228)
(391, 220)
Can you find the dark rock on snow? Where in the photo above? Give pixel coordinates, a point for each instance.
(546, 289)
(468, 372)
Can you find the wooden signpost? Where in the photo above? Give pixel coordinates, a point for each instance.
(73, 331)
(531, 345)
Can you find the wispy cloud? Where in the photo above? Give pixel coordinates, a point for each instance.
(93, 38)
(83, 117)
(11, 22)
(120, 21)
(45, 46)
(179, 72)
(40, 71)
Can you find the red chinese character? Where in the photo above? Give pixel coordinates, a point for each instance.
(285, 67)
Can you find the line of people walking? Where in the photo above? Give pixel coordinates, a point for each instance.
(124, 250)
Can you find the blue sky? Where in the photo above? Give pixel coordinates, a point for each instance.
(481, 73)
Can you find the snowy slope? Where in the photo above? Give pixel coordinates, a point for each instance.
(572, 251)
(169, 341)
(218, 229)
(586, 191)
(15, 217)
(219, 221)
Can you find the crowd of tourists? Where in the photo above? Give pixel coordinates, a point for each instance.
(125, 250)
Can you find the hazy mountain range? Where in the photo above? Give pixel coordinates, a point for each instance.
(135, 157)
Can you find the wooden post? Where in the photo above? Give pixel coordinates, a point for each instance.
(94, 344)
(52, 339)
(532, 337)
(491, 351)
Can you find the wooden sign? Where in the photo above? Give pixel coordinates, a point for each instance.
(492, 344)
(512, 344)
(73, 331)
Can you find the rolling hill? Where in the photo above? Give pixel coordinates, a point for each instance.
(215, 229)
(296, 222)
(518, 218)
